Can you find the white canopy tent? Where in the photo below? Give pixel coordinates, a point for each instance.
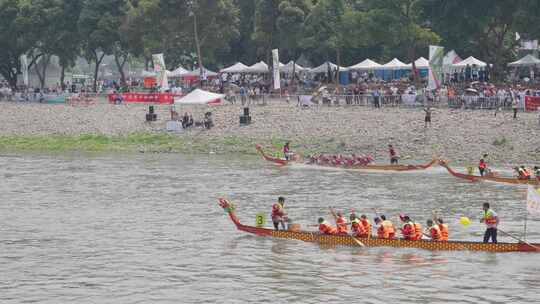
(470, 62)
(235, 68)
(323, 68)
(527, 61)
(395, 64)
(146, 73)
(257, 68)
(179, 72)
(197, 73)
(288, 68)
(420, 63)
(200, 97)
(367, 64)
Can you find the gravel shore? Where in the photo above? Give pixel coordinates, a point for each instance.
(459, 135)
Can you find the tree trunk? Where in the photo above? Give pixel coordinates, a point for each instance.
(62, 76)
(120, 63)
(98, 59)
(293, 73)
(41, 70)
(198, 46)
(338, 59)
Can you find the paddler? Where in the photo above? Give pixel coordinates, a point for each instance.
(444, 229)
(411, 231)
(490, 218)
(536, 170)
(482, 165)
(326, 228)
(341, 224)
(367, 225)
(286, 151)
(526, 173)
(278, 213)
(393, 155)
(385, 228)
(433, 231)
(357, 229)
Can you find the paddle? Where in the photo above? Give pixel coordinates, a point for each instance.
(358, 242)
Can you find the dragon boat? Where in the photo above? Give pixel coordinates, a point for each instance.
(491, 178)
(349, 240)
(297, 159)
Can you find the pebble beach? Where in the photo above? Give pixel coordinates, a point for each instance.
(461, 136)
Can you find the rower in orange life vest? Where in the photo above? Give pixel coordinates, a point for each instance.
(367, 225)
(490, 218)
(385, 228)
(433, 231)
(326, 228)
(411, 230)
(482, 165)
(341, 224)
(278, 213)
(357, 227)
(443, 228)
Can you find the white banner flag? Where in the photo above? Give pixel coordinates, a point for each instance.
(24, 69)
(161, 71)
(533, 201)
(436, 55)
(277, 79)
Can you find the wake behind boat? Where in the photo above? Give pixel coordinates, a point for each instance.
(349, 240)
(297, 159)
(491, 178)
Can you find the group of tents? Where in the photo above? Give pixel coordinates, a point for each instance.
(392, 69)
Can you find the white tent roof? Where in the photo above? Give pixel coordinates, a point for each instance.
(288, 68)
(421, 63)
(258, 68)
(470, 61)
(197, 72)
(200, 97)
(395, 64)
(323, 68)
(367, 64)
(235, 68)
(528, 60)
(179, 72)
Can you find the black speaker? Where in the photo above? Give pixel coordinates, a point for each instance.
(151, 109)
(151, 117)
(245, 120)
(246, 111)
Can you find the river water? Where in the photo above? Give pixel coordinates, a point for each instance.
(147, 229)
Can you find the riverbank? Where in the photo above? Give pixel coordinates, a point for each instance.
(459, 135)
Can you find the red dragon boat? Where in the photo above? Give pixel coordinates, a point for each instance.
(284, 162)
(349, 240)
(497, 179)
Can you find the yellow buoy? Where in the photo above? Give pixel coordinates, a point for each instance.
(465, 221)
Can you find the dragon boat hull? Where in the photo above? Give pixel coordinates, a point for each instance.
(398, 168)
(348, 240)
(496, 179)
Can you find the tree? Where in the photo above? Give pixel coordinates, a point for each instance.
(265, 30)
(98, 25)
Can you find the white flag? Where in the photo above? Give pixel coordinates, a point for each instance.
(161, 71)
(277, 79)
(533, 201)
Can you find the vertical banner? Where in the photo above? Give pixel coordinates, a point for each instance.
(277, 80)
(436, 55)
(533, 201)
(24, 69)
(161, 72)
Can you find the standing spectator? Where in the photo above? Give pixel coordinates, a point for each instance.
(427, 119)
(243, 93)
(514, 106)
(377, 98)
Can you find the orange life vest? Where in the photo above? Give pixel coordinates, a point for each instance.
(326, 228)
(358, 229)
(444, 232)
(386, 230)
(341, 224)
(367, 226)
(417, 232)
(435, 233)
(408, 231)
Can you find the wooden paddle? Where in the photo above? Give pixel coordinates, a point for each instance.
(358, 242)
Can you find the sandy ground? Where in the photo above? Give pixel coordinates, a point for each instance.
(460, 135)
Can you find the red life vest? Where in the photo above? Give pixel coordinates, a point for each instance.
(326, 228)
(341, 224)
(408, 231)
(482, 164)
(278, 211)
(435, 233)
(444, 232)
